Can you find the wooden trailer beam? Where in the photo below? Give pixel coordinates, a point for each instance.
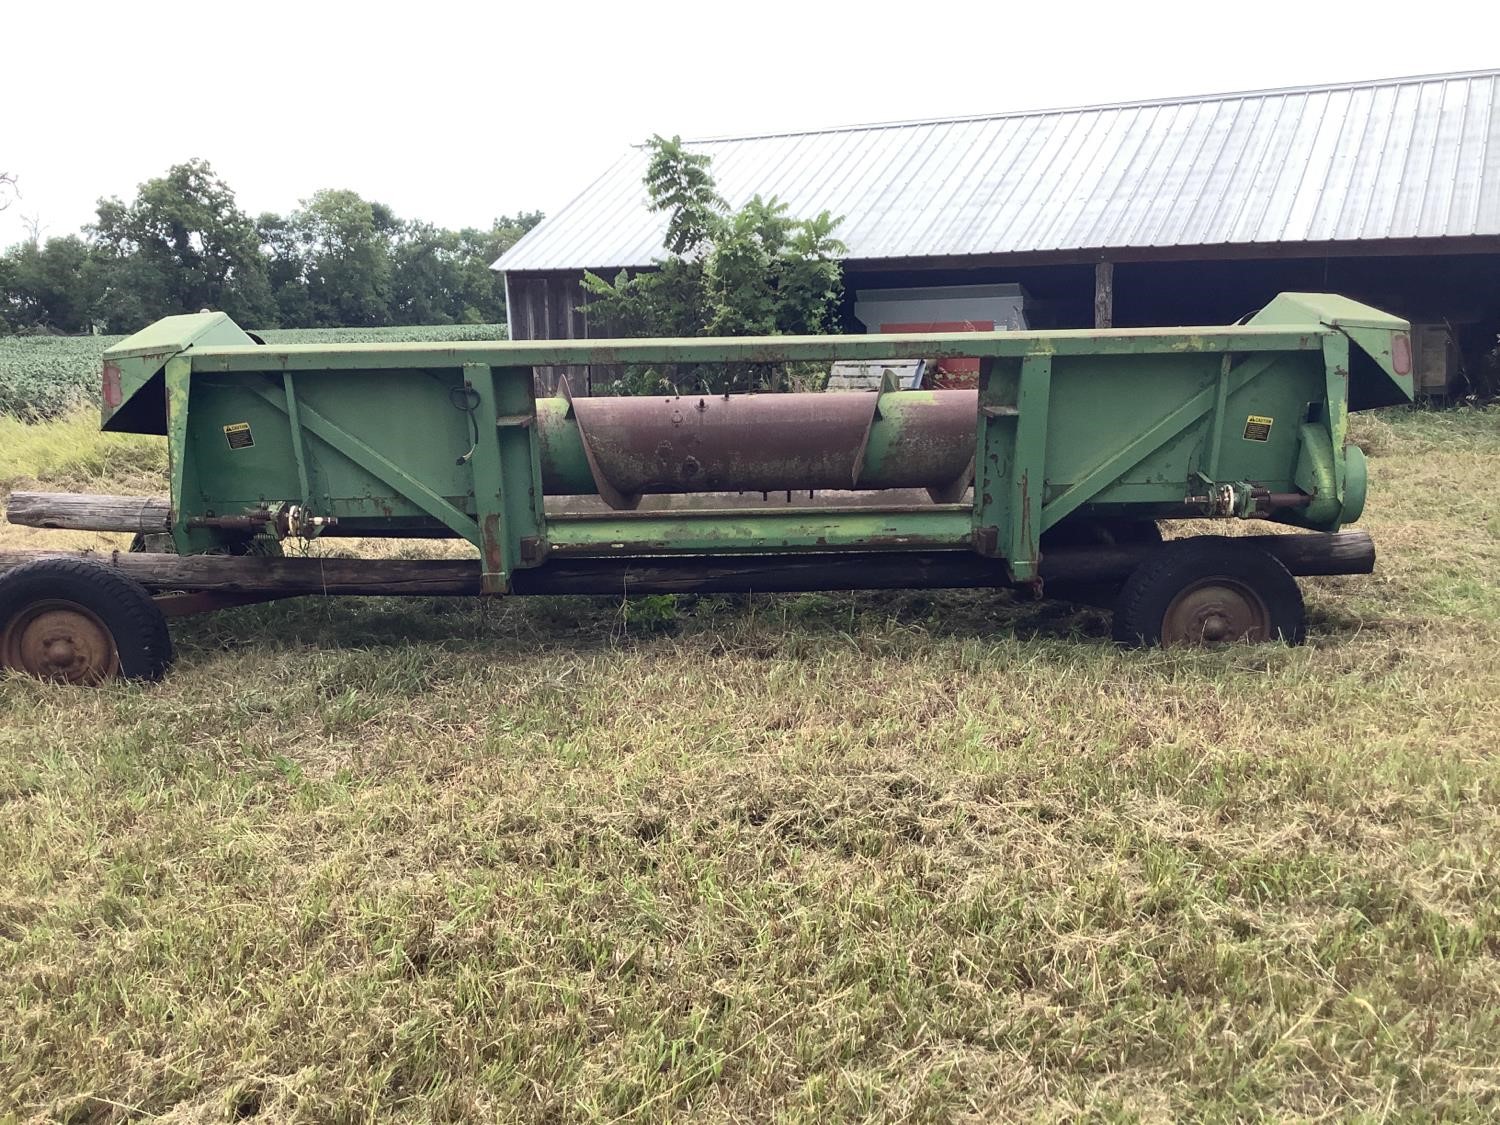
(74, 511)
(260, 578)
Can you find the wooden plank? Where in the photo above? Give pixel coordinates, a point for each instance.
(287, 577)
(69, 511)
(1104, 294)
(1348, 552)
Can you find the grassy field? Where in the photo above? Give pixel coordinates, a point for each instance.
(43, 377)
(921, 857)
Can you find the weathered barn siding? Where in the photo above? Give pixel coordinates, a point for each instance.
(549, 306)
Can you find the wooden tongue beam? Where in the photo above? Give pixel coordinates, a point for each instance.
(72, 511)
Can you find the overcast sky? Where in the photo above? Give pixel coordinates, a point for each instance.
(457, 113)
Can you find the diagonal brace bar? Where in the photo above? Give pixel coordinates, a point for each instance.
(380, 466)
(1121, 462)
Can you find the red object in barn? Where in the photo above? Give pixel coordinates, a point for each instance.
(953, 373)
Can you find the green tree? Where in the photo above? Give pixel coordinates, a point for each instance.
(483, 289)
(756, 271)
(286, 270)
(766, 274)
(8, 320)
(444, 277)
(55, 286)
(427, 276)
(181, 245)
(680, 183)
(346, 244)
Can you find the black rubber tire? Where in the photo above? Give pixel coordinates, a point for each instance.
(1174, 567)
(135, 623)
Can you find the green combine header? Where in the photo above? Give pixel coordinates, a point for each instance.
(1051, 477)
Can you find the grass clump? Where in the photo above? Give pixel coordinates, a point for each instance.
(928, 856)
(71, 454)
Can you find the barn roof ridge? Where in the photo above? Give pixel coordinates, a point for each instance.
(1096, 107)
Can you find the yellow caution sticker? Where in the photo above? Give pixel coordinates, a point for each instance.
(238, 435)
(1258, 428)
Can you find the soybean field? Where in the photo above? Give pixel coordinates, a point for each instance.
(43, 377)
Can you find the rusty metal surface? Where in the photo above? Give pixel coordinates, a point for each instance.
(1216, 611)
(58, 639)
(759, 443)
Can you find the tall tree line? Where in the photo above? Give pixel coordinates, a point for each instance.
(183, 244)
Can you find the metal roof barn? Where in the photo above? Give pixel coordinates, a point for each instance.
(1192, 210)
(1410, 158)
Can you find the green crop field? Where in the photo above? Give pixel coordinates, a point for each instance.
(44, 376)
(925, 857)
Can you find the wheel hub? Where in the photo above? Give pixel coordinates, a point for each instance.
(1216, 611)
(59, 640)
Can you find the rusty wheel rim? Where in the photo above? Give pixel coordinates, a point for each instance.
(1216, 611)
(59, 640)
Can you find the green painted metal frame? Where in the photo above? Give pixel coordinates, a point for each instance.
(1336, 367)
(507, 470)
(1023, 529)
(377, 464)
(754, 531)
(1012, 506)
(179, 385)
(1210, 399)
(299, 442)
(509, 527)
(1006, 521)
(789, 349)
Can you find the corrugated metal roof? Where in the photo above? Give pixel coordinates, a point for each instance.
(1399, 158)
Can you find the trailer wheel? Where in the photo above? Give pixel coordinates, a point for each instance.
(1209, 591)
(80, 622)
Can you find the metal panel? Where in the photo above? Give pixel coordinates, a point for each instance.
(1394, 159)
(1344, 166)
(1481, 119)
